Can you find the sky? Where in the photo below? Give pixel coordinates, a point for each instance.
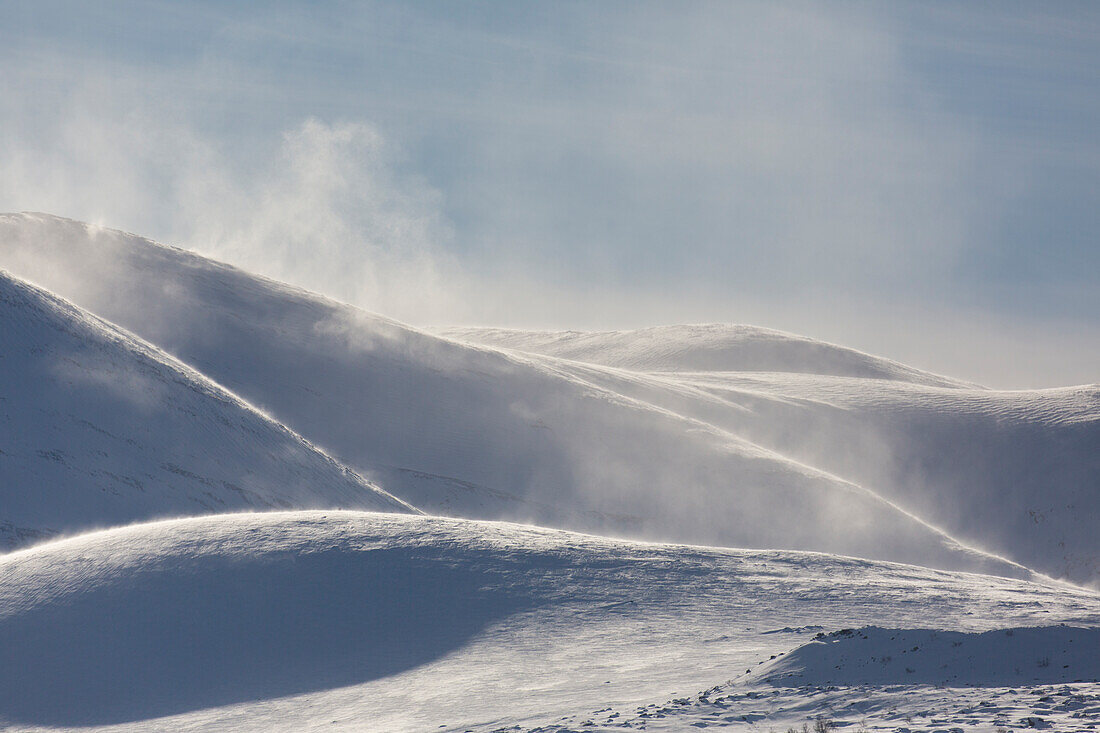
(917, 180)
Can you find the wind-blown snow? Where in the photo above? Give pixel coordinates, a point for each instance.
(99, 429)
(1013, 472)
(472, 431)
(702, 348)
(359, 621)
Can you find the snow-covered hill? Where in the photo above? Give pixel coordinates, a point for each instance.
(465, 430)
(702, 348)
(99, 429)
(377, 622)
(1013, 472)
(389, 621)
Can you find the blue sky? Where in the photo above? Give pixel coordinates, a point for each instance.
(919, 180)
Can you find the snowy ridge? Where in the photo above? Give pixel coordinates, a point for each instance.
(471, 431)
(411, 623)
(712, 347)
(98, 429)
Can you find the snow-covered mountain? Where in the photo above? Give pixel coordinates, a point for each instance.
(1013, 472)
(200, 389)
(472, 431)
(98, 429)
(365, 621)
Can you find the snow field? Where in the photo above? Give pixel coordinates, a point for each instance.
(290, 621)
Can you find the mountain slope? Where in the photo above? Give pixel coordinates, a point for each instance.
(100, 429)
(1013, 472)
(702, 348)
(355, 621)
(468, 431)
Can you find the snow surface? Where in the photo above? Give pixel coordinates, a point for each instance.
(357, 621)
(99, 429)
(476, 432)
(901, 708)
(1006, 657)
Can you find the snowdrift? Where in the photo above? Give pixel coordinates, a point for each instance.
(1047, 655)
(99, 429)
(368, 621)
(471, 431)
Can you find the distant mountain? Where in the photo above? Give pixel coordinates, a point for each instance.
(893, 464)
(98, 429)
(702, 348)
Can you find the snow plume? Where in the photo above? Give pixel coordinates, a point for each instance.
(331, 213)
(326, 207)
